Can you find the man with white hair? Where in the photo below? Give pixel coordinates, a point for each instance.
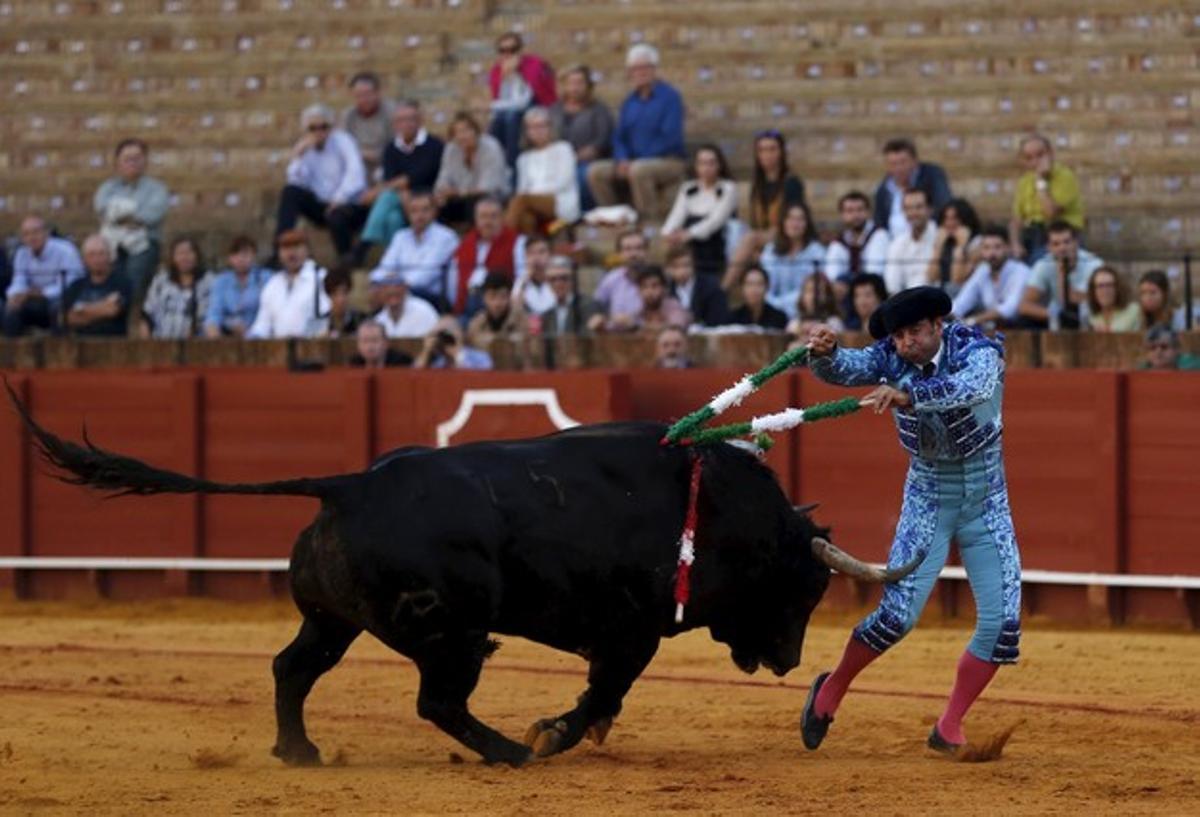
(325, 179)
(648, 152)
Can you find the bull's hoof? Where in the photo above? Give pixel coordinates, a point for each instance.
(598, 731)
(515, 756)
(546, 736)
(298, 754)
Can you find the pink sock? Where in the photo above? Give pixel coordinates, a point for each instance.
(856, 656)
(973, 677)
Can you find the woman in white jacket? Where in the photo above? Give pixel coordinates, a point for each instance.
(547, 190)
(703, 208)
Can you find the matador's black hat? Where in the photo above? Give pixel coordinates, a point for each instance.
(906, 308)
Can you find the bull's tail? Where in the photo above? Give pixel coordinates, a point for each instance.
(103, 470)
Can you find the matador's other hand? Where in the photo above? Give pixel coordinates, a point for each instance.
(822, 341)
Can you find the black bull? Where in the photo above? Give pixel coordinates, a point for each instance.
(568, 540)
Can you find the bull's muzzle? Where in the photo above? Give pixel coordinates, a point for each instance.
(834, 557)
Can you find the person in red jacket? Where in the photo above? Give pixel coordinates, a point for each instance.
(518, 81)
(489, 248)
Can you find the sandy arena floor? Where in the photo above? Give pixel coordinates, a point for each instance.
(165, 708)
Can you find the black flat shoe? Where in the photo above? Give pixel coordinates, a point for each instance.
(939, 744)
(812, 726)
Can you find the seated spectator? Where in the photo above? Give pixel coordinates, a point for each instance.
(905, 172)
(617, 294)
(5, 272)
(1163, 352)
(585, 122)
(411, 162)
(293, 303)
(343, 318)
(97, 305)
(1110, 308)
(755, 311)
(368, 120)
(500, 317)
(867, 292)
(1057, 285)
(43, 266)
(702, 210)
(325, 181)
(547, 197)
(773, 190)
(955, 246)
(533, 292)
(403, 315)
(1046, 192)
(910, 253)
(517, 81)
(658, 308)
(488, 248)
(648, 152)
(860, 247)
(177, 299)
(444, 349)
(422, 253)
(671, 349)
(233, 301)
(372, 350)
(472, 167)
(992, 295)
(1154, 297)
(572, 310)
(700, 295)
(816, 306)
(792, 256)
(131, 207)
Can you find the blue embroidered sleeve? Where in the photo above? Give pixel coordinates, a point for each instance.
(850, 367)
(970, 385)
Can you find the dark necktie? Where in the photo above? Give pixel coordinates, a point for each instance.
(927, 370)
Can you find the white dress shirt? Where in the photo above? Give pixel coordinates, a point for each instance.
(874, 256)
(712, 207)
(981, 292)
(908, 259)
(292, 307)
(416, 319)
(43, 271)
(421, 260)
(550, 171)
(335, 173)
(537, 298)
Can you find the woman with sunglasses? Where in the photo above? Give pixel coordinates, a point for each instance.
(517, 82)
(773, 190)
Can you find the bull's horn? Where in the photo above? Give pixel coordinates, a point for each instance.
(804, 510)
(832, 556)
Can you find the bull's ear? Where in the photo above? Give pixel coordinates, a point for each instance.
(805, 510)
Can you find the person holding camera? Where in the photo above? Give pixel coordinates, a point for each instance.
(444, 349)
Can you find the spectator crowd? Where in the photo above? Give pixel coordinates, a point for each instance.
(472, 236)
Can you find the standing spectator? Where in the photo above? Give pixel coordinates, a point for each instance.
(1154, 296)
(547, 197)
(444, 349)
(177, 299)
(488, 248)
(617, 294)
(793, 255)
(368, 119)
(910, 253)
(906, 172)
(293, 302)
(403, 314)
(700, 295)
(702, 210)
(571, 310)
(773, 190)
(1046, 192)
(658, 308)
(1109, 307)
(1163, 354)
(422, 252)
(955, 246)
(517, 81)
(42, 267)
(325, 179)
(97, 305)
(411, 162)
(343, 319)
(648, 152)
(472, 167)
(533, 292)
(585, 122)
(867, 292)
(372, 350)
(131, 207)
(1058, 282)
(670, 349)
(755, 311)
(992, 295)
(817, 306)
(861, 246)
(501, 317)
(233, 301)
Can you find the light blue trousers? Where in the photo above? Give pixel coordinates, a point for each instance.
(966, 501)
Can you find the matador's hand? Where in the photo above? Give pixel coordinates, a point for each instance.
(822, 341)
(885, 397)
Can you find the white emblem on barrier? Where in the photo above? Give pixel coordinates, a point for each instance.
(502, 397)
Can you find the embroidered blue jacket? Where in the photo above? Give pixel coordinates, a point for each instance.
(955, 413)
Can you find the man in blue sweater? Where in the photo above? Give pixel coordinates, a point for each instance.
(648, 152)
